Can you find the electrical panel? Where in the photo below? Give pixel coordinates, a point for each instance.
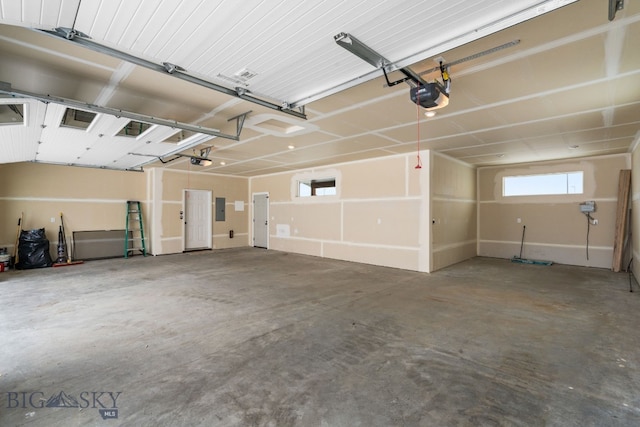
(220, 207)
(588, 207)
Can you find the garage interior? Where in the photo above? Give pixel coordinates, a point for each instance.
(320, 248)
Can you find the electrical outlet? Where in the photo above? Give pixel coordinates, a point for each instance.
(595, 222)
(53, 219)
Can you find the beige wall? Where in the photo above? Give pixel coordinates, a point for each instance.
(635, 209)
(90, 199)
(374, 219)
(453, 211)
(167, 189)
(556, 230)
(380, 215)
(94, 199)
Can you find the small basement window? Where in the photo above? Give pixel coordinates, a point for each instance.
(77, 119)
(11, 114)
(134, 129)
(317, 187)
(543, 184)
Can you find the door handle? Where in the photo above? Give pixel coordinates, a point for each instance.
(265, 223)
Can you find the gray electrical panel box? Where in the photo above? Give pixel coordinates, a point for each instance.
(588, 207)
(220, 202)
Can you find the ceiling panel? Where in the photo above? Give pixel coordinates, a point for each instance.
(42, 14)
(372, 91)
(290, 44)
(19, 142)
(237, 168)
(629, 59)
(567, 77)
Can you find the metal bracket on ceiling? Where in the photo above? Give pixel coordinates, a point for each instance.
(177, 156)
(364, 52)
(81, 165)
(240, 121)
(614, 6)
(6, 88)
(165, 68)
(69, 33)
(172, 68)
(471, 57)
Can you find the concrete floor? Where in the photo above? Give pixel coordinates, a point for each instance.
(248, 337)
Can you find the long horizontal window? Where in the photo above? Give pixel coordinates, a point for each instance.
(543, 184)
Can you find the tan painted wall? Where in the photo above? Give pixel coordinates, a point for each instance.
(635, 210)
(90, 199)
(556, 230)
(453, 211)
(94, 199)
(167, 188)
(380, 215)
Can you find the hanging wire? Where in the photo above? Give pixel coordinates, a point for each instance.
(75, 18)
(419, 165)
(588, 229)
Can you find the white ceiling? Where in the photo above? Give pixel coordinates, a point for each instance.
(568, 85)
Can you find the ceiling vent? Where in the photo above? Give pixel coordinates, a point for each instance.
(241, 77)
(245, 75)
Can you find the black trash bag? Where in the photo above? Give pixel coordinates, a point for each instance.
(33, 250)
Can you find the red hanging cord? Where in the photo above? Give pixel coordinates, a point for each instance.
(419, 165)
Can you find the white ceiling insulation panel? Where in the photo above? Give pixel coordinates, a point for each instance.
(289, 44)
(19, 143)
(43, 14)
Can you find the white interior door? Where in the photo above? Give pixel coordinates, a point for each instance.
(197, 219)
(261, 220)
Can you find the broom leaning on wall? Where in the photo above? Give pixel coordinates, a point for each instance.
(521, 260)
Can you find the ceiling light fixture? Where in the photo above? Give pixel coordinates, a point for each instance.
(203, 159)
(196, 161)
(430, 114)
(433, 95)
(291, 147)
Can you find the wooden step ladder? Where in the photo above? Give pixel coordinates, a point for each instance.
(134, 231)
